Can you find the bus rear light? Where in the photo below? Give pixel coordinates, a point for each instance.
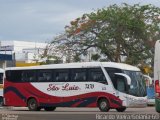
(157, 88)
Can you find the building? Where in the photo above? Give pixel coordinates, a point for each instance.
(20, 52)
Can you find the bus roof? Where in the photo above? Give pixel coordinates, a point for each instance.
(79, 65)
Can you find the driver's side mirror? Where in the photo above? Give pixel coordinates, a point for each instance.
(125, 76)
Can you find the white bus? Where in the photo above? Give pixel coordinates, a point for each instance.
(106, 85)
(1, 86)
(157, 75)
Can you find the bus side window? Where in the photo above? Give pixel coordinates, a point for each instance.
(23, 76)
(121, 83)
(121, 86)
(44, 75)
(14, 75)
(62, 75)
(28, 76)
(79, 75)
(1, 78)
(8, 75)
(97, 75)
(111, 72)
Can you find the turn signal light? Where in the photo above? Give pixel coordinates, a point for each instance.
(157, 88)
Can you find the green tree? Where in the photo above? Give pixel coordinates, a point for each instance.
(95, 57)
(122, 33)
(50, 55)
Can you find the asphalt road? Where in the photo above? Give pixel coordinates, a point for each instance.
(15, 113)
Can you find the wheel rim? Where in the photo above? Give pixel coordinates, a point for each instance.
(103, 105)
(32, 105)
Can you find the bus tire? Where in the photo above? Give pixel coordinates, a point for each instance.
(49, 108)
(103, 105)
(122, 109)
(33, 105)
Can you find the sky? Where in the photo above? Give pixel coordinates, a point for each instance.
(42, 20)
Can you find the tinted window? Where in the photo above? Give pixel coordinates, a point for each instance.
(44, 75)
(61, 75)
(97, 75)
(14, 75)
(111, 72)
(121, 83)
(8, 75)
(28, 76)
(79, 75)
(1, 78)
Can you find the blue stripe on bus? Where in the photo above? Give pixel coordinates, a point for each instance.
(62, 104)
(85, 102)
(13, 89)
(34, 94)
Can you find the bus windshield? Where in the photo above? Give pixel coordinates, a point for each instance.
(138, 86)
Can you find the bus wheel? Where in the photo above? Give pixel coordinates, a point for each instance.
(33, 105)
(50, 108)
(122, 109)
(103, 105)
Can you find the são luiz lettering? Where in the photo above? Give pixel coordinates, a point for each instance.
(66, 87)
